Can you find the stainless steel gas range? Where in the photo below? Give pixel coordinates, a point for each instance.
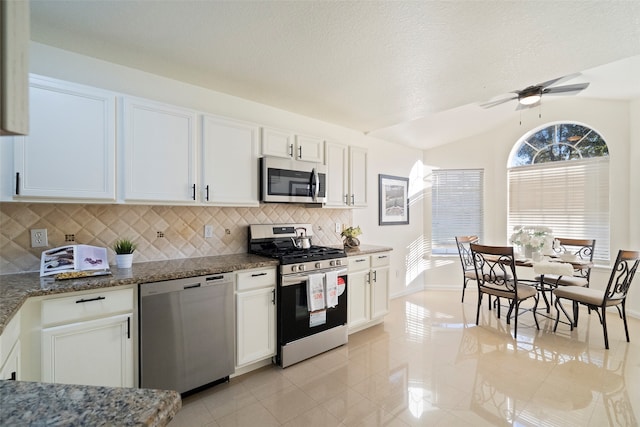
(311, 293)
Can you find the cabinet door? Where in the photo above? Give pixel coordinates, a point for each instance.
(11, 368)
(96, 352)
(159, 143)
(336, 157)
(277, 142)
(14, 49)
(256, 325)
(229, 162)
(379, 292)
(309, 149)
(358, 161)
(70, 150)
(358, 298)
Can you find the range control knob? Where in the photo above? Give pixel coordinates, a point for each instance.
(294, 268)
(338, 262)
(301, 268)
(318, 265)
(332, 263)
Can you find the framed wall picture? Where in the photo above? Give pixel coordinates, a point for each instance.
(393, 200)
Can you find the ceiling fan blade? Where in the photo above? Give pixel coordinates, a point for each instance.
(558, 80)
(497, 102)
(565, 89)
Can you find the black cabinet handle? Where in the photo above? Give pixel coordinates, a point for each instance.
(90, 299)
(346, 199)
(17, 183)
(207, 191)
(273, 296)
(353, 199)
(128, 327)
(197, 285)
(361, 260)
(300, 152)
(214, 277)
(194, 191)
(290, 150)
(258, 274)
(375, 276)
(13, 376)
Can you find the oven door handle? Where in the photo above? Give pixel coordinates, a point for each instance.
(297, 278)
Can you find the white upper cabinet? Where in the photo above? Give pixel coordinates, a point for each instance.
(283, 143)
(70, 150)
(278, 143)
(358, 169)
(347, 175)
(309, 149)
(229, 162)
(159, 144)
(14, 63)
(337, 156)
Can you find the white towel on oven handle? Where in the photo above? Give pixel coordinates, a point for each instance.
(315, 292)
(331, 288)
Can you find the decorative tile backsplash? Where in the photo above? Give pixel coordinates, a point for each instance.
(161, 232)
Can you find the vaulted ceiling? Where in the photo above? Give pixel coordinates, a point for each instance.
(411, 72)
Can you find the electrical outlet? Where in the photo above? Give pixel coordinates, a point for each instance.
(39, 238)
(208, 231)
(338, 227)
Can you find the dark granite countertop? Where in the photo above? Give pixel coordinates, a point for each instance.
(16, 288)
(44, 404)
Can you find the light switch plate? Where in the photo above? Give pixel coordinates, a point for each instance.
(39, 238)
(208, 231)
(338, 227)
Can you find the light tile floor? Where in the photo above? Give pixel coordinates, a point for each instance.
(429, 364)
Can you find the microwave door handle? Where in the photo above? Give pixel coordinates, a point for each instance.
(315, 188)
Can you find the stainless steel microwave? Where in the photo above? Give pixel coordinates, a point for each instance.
(292, 181)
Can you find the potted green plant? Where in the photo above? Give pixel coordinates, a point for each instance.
(350, 235)
(124, 249)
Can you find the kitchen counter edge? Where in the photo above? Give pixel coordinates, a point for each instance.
(366, 250)
(16, 288)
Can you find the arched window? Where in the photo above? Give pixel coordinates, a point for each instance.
(559, 178)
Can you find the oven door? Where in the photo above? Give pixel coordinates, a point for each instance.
(294, 319)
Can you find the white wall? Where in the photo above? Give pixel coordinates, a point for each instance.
(616, 121)
(384, 157)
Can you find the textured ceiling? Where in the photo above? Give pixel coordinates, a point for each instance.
(394, 69)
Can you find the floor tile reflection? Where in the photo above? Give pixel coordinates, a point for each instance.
(429, 364)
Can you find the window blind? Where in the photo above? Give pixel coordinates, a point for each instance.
(571, 198)
(456, 207)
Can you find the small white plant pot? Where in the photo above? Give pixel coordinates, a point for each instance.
(124, 260)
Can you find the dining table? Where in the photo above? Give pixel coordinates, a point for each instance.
(547, 265)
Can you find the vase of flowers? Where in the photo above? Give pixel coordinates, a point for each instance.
(350, 236)
(533, 239)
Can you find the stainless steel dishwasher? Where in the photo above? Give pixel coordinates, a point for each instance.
(186, 332)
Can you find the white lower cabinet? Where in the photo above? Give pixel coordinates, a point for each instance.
(10, 350)
(255, 315)
(368, 295)
(87, 338)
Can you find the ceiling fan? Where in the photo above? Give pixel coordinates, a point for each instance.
(531, 95)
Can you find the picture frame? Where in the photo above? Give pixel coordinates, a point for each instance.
(393, 200)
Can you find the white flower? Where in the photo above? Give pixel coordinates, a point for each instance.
(536, 237)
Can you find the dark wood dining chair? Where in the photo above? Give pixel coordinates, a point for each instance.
(582, 250)
(466, 259)
(495, 268)
(615, 295)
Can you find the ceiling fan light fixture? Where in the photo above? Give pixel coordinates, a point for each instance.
(529, 99)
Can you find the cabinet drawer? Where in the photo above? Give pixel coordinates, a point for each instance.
(9, 337)
(86, 305)
(254, 279)
(359, 263)
(380, 260)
